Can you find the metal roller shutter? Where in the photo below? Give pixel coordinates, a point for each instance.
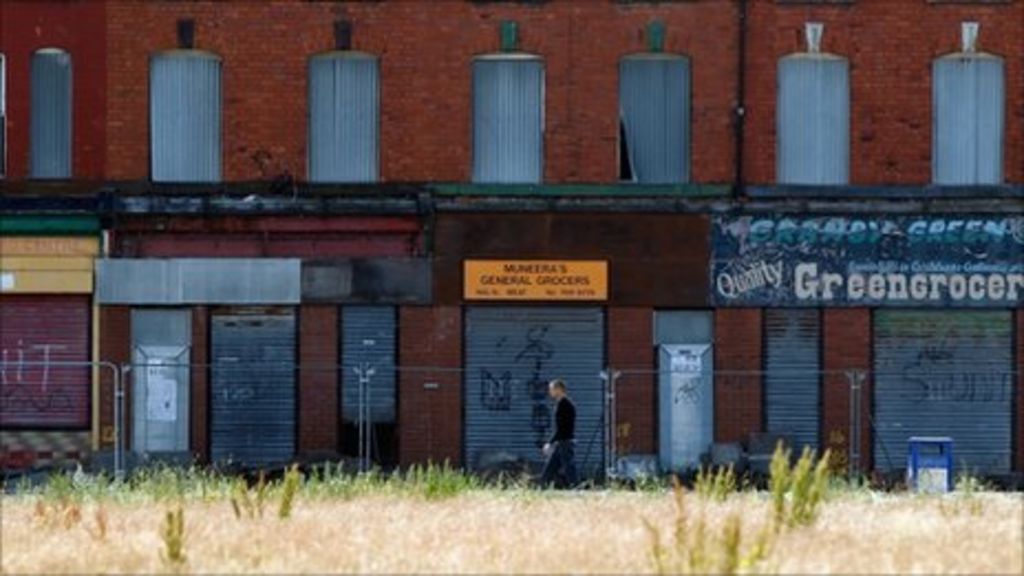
(792, 375)
(252, 402)
(368, 342)
(944, 374)
(511, 354)
(38, 335)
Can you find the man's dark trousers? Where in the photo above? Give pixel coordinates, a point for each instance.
(560, 468)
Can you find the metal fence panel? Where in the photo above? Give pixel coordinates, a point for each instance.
(368, 342)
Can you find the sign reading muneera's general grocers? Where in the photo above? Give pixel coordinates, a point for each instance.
(535, 280)
(936, 260)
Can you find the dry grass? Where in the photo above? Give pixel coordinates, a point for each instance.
(507, 532)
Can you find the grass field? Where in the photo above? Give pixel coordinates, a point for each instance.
(451, 524)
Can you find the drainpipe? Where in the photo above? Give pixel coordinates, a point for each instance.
(740, 110)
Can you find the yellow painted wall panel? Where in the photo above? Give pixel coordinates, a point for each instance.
(46, 282)
(48, 246)
(45, 263)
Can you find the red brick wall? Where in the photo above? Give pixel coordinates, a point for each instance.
(429, 417)
(631, 350)
(738, 385)
(425, 51)
(847, 347)
(318, 379)
(890, 45)
(199, 396)
(77, 26)
(115, 347)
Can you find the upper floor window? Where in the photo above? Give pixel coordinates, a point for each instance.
(185, 116)
(813, 116)
(50, 114)
(508, 119)
(343, 117)
(654, 118)
(968, 98)
(3, 116)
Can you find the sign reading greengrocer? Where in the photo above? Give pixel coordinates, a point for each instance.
(959, 261)
(535, 280)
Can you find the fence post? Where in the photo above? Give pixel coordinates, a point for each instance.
(119, 410)
(856, 379)
(365, 372)
(610, 377)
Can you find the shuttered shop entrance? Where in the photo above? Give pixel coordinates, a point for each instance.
(511, 355)
(368, 348)
(792, 375)
(944, 374)
(252, 390)
(38, 335)
(161, 350)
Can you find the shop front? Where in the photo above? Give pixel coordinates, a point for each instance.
(915, 311)
(46, 345)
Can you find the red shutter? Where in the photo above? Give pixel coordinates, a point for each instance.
(36, 332)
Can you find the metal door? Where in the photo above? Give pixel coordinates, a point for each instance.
(944, 374)
(368, 351)
(511, 355)
(686, 405)
(161, 341)
(39, 337)
(792, 375)
(252, 396)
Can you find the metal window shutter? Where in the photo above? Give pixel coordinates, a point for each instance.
(184, 114)
(813, 120)
(654, 101)
(511, 355)
(368, 341)
(792, 375)
(252, 404)
(968, 98)
(508, 120)
(944, 374)
(36, 330)
(343, 118)
(50, 114)
(161, 351)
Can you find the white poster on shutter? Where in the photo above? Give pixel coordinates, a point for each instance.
(161, 392)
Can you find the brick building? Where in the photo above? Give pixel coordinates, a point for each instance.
(345, 186)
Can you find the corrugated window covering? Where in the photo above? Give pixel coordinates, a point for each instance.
(813, 120)
(508, 119)
(654, 100)
(967, 137)
(3, 116)
(50, 148)
(343, 118)
(185, 101)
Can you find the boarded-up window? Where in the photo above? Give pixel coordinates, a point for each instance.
(654, 112)
(813, 120)
(184, 116)
(50, 147)
(343, 118)
(967, 135)
(3, 116)
(508, 119)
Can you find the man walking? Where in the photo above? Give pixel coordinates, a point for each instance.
(561, 449)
